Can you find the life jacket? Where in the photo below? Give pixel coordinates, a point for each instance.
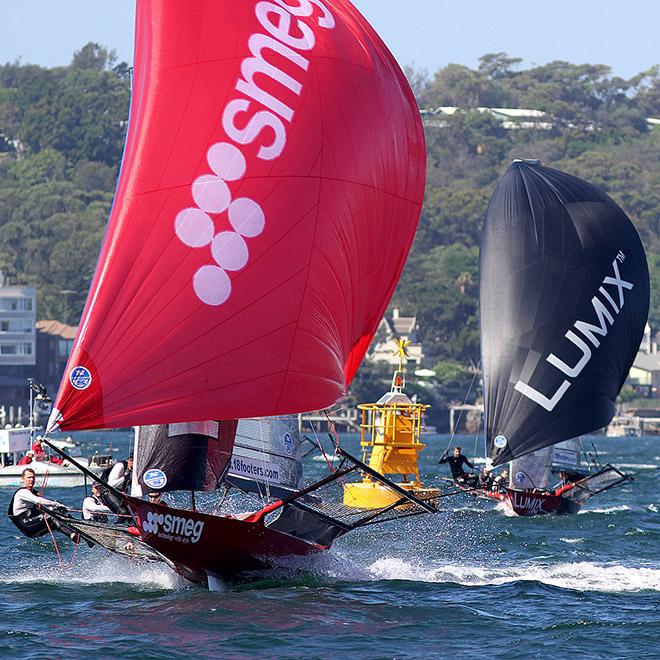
(29, 523)
(114, 503)
(565, 488)
(105, 474)
(10, 509)
(98, 517)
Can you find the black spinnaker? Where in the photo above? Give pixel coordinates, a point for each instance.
(564, 298)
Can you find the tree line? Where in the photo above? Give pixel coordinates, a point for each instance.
(62, 132)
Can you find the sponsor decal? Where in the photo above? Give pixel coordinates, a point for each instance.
(604, 308)
(288, 443)
(500, 442)
(80, 378)
(254, 469)
(565, 457)
(520, 477)
(172, 527)
(252, 114)
(527, 503)
(154, 478)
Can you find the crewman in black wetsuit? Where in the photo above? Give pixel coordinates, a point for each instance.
(456, 463)
(24, 510)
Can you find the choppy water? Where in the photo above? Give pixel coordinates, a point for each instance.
(469, 581)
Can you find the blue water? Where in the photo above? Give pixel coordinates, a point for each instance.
(469, 581)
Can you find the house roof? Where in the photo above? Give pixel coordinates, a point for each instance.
(404, 325)
(647, 361)
(52, 327)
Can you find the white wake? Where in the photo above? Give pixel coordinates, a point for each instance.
(579, 576)
(96, 570)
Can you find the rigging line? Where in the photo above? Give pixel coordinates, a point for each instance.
(335, 442)
(460, 415)
(52, 536)
(45, 481)
(320, 446)
(75, 550)
(263, 452)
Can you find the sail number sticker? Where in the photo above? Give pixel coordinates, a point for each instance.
(154, 478)
(80, 378)
(500, 442)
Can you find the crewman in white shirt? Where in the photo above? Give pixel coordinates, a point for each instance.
(25, 513)
(93, 507)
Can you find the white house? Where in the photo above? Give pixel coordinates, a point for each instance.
(398, 327)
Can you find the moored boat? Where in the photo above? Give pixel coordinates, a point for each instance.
(16, 444)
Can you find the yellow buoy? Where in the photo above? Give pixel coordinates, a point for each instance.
(391, 444)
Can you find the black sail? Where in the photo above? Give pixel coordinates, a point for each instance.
(184, 456)
(564, 298)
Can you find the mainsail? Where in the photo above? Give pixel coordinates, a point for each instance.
(182, 456)
(564, 297)
(540, 468)
(267, 455)
(269, 193)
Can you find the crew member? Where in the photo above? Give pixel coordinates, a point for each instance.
(40, 452)
(567, 482)
(486, 478)
(456, 463)
(500, 481)
(120, 475)
(93, 508)
(25, 513)
(156, 497)
(27, 459)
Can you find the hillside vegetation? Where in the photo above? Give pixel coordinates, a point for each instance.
(62, 132)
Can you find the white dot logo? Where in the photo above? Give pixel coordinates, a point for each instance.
(227, 161)
(211, 194)
(230, 250)
(196, 229)
(246, 217)
(150, 525)
(212, 285)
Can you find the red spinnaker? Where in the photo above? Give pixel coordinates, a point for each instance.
(270, 189)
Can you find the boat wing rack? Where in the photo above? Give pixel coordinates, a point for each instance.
(606, 478)
(326, 503)
(115, 538)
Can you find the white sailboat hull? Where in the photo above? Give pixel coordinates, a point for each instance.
(56, 475)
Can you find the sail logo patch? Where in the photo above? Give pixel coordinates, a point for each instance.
(173, 528)
(80, 378)
(529, 504)
(154, 478)
(288, 443)
(603, 308)
(286, 35)
(500, 442)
